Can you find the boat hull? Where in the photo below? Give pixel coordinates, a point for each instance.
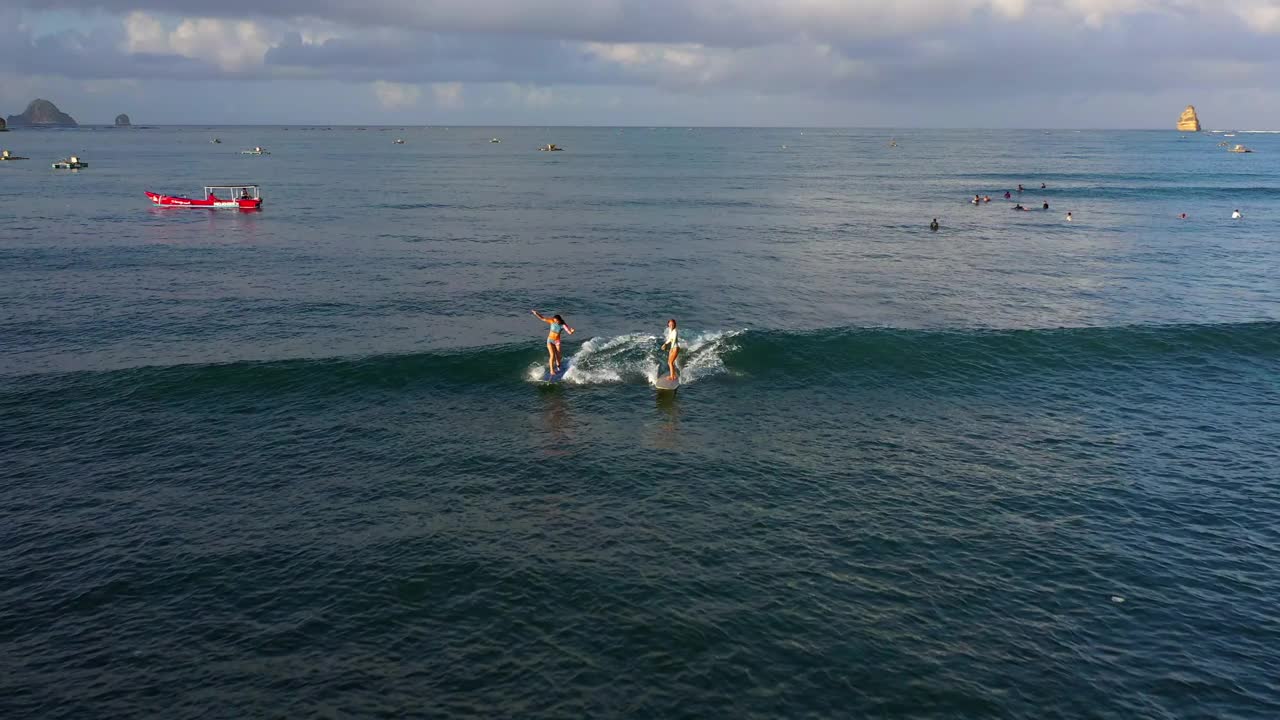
(178, 201)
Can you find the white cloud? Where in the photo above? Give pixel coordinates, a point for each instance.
(1261, 15)
(231, 45)
(777, 68)
(531, 96)
(447, 95)
(144, 33)
(395, 96)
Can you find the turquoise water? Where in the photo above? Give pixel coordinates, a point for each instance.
(297, 463)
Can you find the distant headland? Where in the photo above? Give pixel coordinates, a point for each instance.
(42, 113)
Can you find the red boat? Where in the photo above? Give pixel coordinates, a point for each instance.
(238, 197)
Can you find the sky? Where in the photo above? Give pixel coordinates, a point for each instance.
(856, 63)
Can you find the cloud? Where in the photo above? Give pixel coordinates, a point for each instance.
(727, 23)
(447, 95)
(1261, 15)
(548, 54)
(232, 46)
(396, 96)
(531, 96)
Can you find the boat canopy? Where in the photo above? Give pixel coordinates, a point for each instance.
(235, 191)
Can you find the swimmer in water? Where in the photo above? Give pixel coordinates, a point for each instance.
(1042, 186)
(553, 339)
(986, 198)
(1183, 216)
(934, 225)
(1019, 187)
(1018, 207)
(1068, 217)
(977, 200)
(1046, 205)
(673, 339)
(1007, 195)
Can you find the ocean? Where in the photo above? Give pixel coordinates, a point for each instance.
(299, 463)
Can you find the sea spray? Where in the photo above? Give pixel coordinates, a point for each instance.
(636, 357)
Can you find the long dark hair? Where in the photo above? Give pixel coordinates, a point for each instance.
(672, 322)
(559, 319)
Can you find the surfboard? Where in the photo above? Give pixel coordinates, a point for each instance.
(665, 383)
(547, 377)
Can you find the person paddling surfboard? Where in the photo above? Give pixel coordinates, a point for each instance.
(553, 339)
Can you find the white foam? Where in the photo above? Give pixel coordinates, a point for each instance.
(703, 355)
(637, 357)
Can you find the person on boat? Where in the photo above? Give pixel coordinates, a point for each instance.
(244, 194)
(1007, 195)
(1236, 215)
(673, 340)
(553, 339)
(934, 225)
(212, 197)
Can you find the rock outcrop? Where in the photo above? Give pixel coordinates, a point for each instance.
(1189, 122)
(42, 113)
(122, 120)
(3, 127)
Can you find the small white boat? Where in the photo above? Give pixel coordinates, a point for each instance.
(1240, 149)
(494, 140)
(399, 141)
(257, 150)
(6, 155)
(71, 163)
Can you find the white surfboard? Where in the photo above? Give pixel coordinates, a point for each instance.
(547, 377)
(665, 383)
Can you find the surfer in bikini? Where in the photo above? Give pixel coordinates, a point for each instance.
(673, 339)
(553, 339)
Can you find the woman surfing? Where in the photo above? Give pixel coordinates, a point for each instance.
(673, 339)
(553, 339)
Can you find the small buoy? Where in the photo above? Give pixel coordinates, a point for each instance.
(1117, 599)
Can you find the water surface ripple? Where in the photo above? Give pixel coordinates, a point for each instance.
(297, 464)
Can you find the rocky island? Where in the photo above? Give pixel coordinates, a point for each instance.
(1189, 122)
(42, 113)
(122, 120)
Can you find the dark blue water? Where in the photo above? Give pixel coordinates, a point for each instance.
(296, 463)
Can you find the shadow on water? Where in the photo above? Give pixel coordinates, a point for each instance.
(667, 433)
(555, 419)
